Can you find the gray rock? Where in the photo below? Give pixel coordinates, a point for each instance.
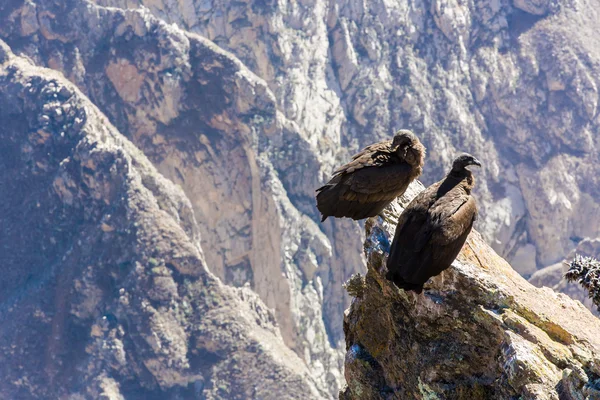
(291, 87)
(105, 291)
(513, 82)
(211, 126)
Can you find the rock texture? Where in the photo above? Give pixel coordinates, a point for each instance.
(106, 293)
(246, 104)
(554, 275)
(514, 82)
(210, 125)
(480, 331)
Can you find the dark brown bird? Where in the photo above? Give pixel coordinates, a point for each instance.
(375, 176)
(433, 228)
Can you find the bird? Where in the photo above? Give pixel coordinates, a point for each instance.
(433, 228)
(377, 175)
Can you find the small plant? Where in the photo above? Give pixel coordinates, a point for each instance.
(355, 286)
(586, 271)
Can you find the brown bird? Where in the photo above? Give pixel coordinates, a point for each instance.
(375, 176)
(433, 228)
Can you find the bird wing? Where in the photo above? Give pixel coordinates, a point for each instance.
(430, 233)
(455, 217)
(375, 155)
(411, 233)
(447, 239)
(427, 220)
(374, 184)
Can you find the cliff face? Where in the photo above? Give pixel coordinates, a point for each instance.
(105, 290)
(515, 82)
(211, 126)
(248, 105)
(479, 331)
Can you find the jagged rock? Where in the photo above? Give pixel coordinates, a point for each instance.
(105, 290)
(515, 82)
(211, 126)
(478, 331)
(512, 80)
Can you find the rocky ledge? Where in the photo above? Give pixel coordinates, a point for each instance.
(478, 331)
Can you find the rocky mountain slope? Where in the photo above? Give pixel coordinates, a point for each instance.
(105, 292)
(248, 105)
(513, 82)
(210, 125)
(478, 331)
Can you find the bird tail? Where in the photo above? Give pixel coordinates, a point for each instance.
(331, 203)
(402, 284)
(327, 197)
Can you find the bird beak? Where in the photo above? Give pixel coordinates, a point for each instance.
(476, 162)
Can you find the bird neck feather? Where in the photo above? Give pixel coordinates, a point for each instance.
(462, 177)
(417, 160)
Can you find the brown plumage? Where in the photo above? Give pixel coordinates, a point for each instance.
(433, 228)
(375, 176)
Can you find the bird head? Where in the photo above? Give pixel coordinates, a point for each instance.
(463, 161)
(403, 141)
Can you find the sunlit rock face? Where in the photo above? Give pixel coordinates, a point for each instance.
(478, 331)
(249, 105)
(106, 292)
(513, 82)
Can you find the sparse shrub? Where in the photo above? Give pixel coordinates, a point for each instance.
(586, 271)
(355, 286)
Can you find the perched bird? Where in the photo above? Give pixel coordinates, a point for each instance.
(375, 176)
(433, 228)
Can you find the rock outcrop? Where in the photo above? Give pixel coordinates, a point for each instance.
(105, 292)
(479, 331)
(248, 105)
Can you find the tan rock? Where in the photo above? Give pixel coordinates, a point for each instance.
(478, 331)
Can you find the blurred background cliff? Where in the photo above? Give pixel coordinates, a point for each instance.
(236, 111)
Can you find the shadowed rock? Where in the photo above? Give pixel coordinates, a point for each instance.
(105, 290)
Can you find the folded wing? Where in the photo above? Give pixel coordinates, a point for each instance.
(429, 236)
(366, 185)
